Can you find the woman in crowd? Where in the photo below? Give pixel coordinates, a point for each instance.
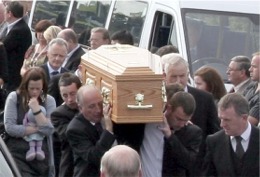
(51, 33)
(30, 96)
(208, 79)
(36, 55)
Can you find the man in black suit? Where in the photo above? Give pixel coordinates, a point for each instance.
(181, 139)
(88, 140)
(75, 51)
(61, 117)
(233, 151)
(57, 52)
(176, 70)
(17, 40)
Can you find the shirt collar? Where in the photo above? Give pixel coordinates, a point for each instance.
(51, 69)
(69, 55)
(71, 52)
(246, 134)
(11, 25)
(236, 88)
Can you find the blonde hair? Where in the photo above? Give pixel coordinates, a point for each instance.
(51, 33)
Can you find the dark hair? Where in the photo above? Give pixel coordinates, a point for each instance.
(16, 8)
(215, 84)
(235, 100)
(173, 88)
(243, 63)
(123, 36)
(69, 78)
(84, 37)
(32, 74)
(42, 25)
(166, 50)
(184, 100)
(104, 31)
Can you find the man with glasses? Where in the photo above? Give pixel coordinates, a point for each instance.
(238, 73)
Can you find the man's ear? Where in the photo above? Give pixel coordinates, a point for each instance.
(168, 108)
(164, 75)
(80, 107)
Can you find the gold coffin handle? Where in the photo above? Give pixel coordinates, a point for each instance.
(139, 98)
(105, 94)
(90, 81)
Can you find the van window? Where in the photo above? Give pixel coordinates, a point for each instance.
(163, 25)
(56, 11)
(89, 14)
(129, 15)
(214, 38)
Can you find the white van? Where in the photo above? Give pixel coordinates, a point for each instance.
(206, 32)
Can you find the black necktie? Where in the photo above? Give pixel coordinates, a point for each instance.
(99, 128)
(239, 149)
(54, 73)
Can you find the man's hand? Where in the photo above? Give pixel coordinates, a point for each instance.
(165, 128)
(107, 118)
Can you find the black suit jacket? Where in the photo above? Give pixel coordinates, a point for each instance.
(53, 84)
(61, 118)
(3, 63)
(181, 150)
(46, 69)
(87, 146)
(16, 44)
(218, 160)
(74, 60)
(205, 116)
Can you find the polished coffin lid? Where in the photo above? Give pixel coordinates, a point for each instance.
(133, 77)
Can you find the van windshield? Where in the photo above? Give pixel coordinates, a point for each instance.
(130, 16)
(56, 11)
(89, 14)
(214, 38)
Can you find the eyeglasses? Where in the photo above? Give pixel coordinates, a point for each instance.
(232, 69)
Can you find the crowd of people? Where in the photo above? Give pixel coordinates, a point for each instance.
(60, 128)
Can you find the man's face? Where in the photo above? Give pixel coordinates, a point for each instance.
(96, 40)
(69, 94)
(231, 123)
(56, 55)
(255, 68)
(7, 15)
(92, 108)
(177, 74)
(234, 74)
(177, 118)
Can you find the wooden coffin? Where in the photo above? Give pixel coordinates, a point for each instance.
(130, 78)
